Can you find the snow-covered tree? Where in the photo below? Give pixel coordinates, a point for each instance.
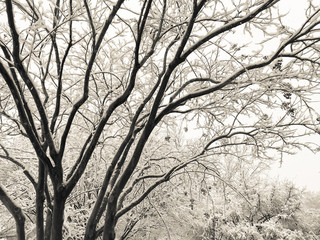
(100, 99)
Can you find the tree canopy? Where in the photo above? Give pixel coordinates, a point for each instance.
(103, 102)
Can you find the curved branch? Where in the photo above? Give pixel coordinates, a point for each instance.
(228, 26)
(19, 164)
(16, 212)
(24, 118)
(85, 95)
(60, 67)
(24, 75)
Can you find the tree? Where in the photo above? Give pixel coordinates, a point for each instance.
(104, 82)
(311, 213)
(274, 212)
(252, 206)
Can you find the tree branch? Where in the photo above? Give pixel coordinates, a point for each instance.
(23, 73)
(15, 211)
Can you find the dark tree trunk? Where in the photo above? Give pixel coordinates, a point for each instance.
(90, 232)
(20, 220)
(40, 201)
(39, 215)
(49, 209)
(109, 233)
(110, 222)
(16, 213)
(48, 225)
(57, 216)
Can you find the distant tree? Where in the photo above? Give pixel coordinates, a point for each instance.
(99, 97)
(272, 210)
(310, 215)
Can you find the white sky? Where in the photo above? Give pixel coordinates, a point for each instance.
(303, 169)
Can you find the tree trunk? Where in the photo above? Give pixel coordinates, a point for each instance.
(49, 209)
(110, 222)
(109, 233)
(57, 216)
(20, 220)
(16, 213)
(39, 215)
(48, 224)
(90, 232)
(92, 223)
(40, 201)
